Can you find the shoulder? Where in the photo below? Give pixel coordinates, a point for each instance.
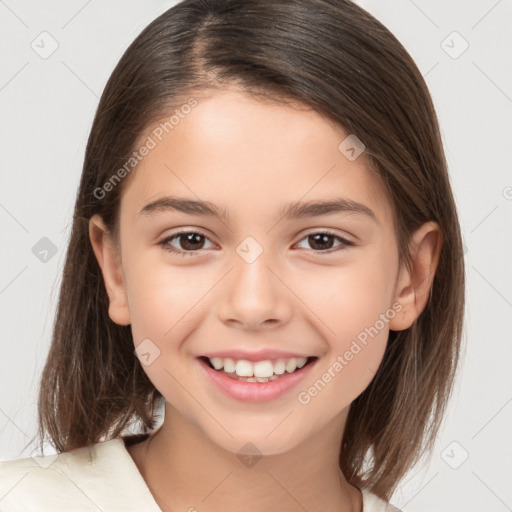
(372, 503)
(41, 481)
(100, 476)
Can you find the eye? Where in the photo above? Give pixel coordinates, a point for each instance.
(323, 240)
(192, 241)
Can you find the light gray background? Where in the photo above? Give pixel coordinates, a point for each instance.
(47, 110)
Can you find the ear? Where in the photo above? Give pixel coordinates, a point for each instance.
(413, 287)
(109, 260)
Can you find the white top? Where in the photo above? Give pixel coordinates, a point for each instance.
(102, 476)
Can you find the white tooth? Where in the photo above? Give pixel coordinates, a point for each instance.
(216, 362)
(244, 368)
(291, 365)
(279, 367)
(229, 365)
(301, 361)
(251, 379)
(274, 377)
(263, 369)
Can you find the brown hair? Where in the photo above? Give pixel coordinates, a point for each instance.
(338, 59)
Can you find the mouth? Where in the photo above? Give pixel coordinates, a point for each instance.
(255, 381)
(258, 371)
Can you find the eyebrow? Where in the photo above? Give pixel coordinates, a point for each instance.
(296, 209)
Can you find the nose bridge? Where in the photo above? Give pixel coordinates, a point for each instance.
(251, 267)
(255, 294)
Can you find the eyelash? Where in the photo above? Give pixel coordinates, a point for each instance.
(165, 243)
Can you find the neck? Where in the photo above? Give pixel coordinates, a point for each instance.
(184, 470)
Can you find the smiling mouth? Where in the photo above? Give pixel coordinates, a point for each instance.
(260, 371)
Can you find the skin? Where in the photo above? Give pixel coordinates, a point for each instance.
(252, 157)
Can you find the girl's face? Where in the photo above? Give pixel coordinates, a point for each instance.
(256, 280)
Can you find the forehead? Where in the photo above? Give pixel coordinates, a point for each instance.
(249, 156)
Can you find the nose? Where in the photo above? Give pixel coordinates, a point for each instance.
(254, 294)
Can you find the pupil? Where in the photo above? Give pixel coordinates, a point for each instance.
(189, 238)
(319, 237)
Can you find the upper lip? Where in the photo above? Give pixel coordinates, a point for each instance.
(260, 355)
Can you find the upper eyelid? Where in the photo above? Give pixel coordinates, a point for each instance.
(346, 239)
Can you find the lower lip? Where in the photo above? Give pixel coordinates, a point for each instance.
(255, 391)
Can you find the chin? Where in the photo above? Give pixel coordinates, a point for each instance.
(255, 442)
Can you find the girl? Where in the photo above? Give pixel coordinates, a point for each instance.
(266, 250)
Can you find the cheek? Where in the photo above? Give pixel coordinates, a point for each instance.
(166, 305)
(357, 359)
(355, 308)
(350, 297)
(341, 379)
(162, 297)
(163, 309)
(355, 321)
